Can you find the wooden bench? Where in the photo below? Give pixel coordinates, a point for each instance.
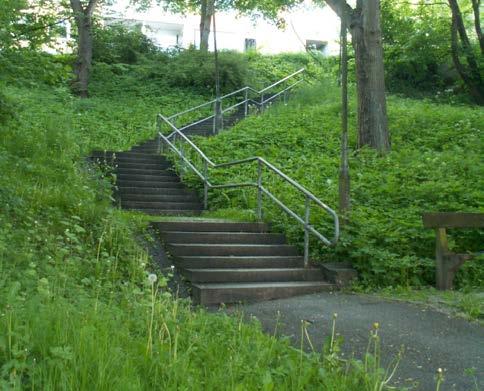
(448, 262)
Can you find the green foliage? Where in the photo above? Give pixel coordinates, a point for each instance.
(195, 69)
(434, 166)
(34, 69)
(417, 47)
(77, 310)
(24, 22)
(116, 44)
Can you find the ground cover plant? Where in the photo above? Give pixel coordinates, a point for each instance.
(78, 307)
(434, 165)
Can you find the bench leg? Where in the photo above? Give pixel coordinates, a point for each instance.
(447, 263)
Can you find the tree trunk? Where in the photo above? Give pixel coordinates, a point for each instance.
(370, 78)
(82, 66)
(206, 14)
(469, 74)
(476, 6)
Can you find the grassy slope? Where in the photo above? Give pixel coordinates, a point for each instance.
(434, 166)
(76, 309)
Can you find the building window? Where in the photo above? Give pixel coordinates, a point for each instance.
(316, 46)
(250, 44)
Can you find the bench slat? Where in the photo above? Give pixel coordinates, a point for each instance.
(453, 220)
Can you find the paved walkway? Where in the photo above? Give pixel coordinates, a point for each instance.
(432, 339)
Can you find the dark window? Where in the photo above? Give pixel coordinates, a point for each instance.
(316, 46)
(250, 44)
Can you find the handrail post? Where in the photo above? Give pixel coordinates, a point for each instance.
(218, 119)
(259, 190)
(285, 97)
(262, 103)
(205, 185)
(306, 231)
(182, 161)
(246, 102)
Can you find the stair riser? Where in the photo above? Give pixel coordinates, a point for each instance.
(208, 276)
(189, 226)
(232, 250)
(119, 161)
(151, 184)
(158, 212)
(222, 238)
(144, 166)
(146, 191)
(156, 171)
(147, 178)
(234, 295)
(260, 263)
(160, 205)
(158, 198)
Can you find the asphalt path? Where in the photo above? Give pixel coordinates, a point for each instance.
(431, 339)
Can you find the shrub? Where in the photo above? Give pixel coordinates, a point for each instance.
(195, 69)
(118, 44)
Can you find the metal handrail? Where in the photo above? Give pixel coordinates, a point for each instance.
(246, 90)
(261, 190)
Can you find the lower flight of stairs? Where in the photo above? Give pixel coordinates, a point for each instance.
(229, 262)
(147, 182)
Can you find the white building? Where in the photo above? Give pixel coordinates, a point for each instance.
(307, 26)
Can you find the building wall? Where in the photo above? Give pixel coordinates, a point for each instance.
(308, 22)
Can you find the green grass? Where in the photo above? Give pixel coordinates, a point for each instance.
(77, 310)
(435, 165)
(468, 304)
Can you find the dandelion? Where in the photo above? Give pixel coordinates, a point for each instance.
(152, 278)
(376, 325)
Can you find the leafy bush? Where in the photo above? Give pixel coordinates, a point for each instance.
(33, 69)
(195, 69)
(117, 44)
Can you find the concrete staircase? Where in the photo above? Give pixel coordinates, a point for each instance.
(227, 261)
(147, 182)
(224, 261)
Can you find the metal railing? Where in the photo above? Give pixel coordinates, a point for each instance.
(203, 174)
(250, 96)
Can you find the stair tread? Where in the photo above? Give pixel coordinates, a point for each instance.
(253, 270)
(254, 285)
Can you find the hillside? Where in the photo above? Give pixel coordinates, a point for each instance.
(435, 165)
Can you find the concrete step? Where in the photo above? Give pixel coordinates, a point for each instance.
(127, 165)
(157, 171)
(160, 205)
(181, 197)
(210, 226)
(148, 150)
(150, 184)
(181, 249)
(125, 154)
(222, 237)
(251, 262)
(166, 212)
(146, 178)
(216, 293)
(253, 275)
(175, 191)
(135, 159)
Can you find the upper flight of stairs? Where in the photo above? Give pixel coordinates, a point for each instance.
(229, 261)
(205, 128)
